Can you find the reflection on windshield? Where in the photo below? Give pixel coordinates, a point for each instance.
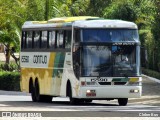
(96, 60)
(110, 35)
(107, 61)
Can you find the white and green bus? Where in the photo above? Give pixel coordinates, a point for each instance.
(83, 58)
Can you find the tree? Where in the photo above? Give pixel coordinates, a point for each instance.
(97, 7)
(61, 8)
(10, 38)
(156, 35)
(35, 10)
(11, 17)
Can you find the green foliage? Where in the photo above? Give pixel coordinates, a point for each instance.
(63, 8)
(35, 10)
(123, 9)
(11, 67)
(10, 81)
(97, 7)
(151, 73)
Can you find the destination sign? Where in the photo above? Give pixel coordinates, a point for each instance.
(121, 43)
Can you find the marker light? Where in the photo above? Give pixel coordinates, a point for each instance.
(134, 91)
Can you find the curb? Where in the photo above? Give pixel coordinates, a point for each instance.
(151, 78)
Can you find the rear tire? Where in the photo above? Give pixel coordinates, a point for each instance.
(123, 101)
(32, 90)
(41, 98)
(46, 98)
(37, 94)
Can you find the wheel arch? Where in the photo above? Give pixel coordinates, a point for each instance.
(68, 86)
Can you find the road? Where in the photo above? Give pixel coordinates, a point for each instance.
(148, 104)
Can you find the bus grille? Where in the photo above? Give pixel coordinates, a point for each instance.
(104, 83)
(120, 83)
(114, 83)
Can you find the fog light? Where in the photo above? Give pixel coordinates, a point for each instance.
(90, 93)
(134, 91)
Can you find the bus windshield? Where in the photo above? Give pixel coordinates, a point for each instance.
(110, 35)
(109, 61)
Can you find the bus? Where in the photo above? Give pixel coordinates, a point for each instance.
(84, 58)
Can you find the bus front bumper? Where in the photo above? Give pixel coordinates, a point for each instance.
(110, 92)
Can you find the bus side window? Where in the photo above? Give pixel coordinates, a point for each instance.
(67, 39)
(37, 39)
(44, 39)
(52, 36)
(59, 39)
(29, 39)
(23, 42)
(77, 36)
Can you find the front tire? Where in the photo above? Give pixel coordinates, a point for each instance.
(73, 101)
(123, 101)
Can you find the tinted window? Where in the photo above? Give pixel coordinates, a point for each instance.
(67, 39)
(23, 42)
(44, 39)
(60, 39)
(52, 37)
(29, 39)
(77, 36)
(37, 39)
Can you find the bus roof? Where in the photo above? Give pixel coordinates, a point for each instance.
(70, 19)
(105, 24)
(79, 21)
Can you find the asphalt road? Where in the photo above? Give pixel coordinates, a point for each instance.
(146, 106)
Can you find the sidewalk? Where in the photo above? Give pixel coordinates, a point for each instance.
(151, 78)
(3, 59)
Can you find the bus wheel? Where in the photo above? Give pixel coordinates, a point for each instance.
(73, 101)
(32, 91)
(37, 94)
(45, 98)
(123, 101)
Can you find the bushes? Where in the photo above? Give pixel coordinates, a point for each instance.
(10, 81)
(9, 67)
(151, 73)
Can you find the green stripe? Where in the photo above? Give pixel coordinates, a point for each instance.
(120, 80)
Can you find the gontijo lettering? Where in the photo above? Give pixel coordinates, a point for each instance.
(40, 59)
